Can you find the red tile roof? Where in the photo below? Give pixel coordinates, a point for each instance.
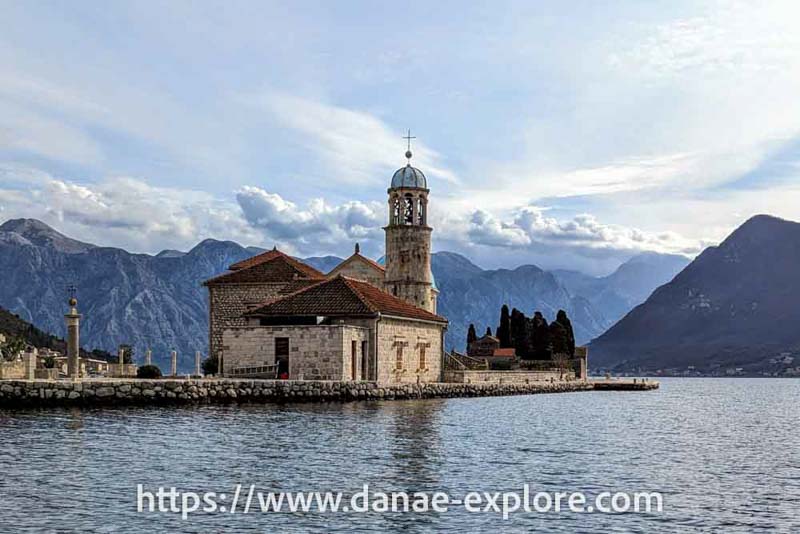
(254, 260)
(270, 267)
(504, 352)
(342, 296)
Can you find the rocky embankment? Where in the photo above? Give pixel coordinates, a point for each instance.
(14, 393)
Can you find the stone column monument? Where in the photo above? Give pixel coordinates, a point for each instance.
(197, 363)
(73, 320)
(174, 366)
(148, 357)
(121, 360)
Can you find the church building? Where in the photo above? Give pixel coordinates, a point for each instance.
(361, 321)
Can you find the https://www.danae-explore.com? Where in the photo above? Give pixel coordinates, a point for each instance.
(248, 499)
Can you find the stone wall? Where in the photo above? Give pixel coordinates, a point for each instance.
(21, 393)
(408, 264)
(505, 377)
(412, 336)
(227, 303)
(22, 368)
(315, 352)
(359, 270)
(13, 369)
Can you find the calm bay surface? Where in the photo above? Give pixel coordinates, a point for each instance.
(725, 454)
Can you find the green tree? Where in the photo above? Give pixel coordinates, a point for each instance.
(12, 347)
(559, 339)
(562, 318)
(148, 371)
(471, 335)
(504, 330)
(519, 333)
(539, 337)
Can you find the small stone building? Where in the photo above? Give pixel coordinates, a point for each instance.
(483, 347)
(249, 283)
(340, 329)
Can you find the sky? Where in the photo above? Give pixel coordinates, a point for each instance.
(566, 134)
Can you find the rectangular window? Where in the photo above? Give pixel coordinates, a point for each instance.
(422, 362)
(399, 362)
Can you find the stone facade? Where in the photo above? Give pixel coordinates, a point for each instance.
(227, 304)
(409, 351)
(408, 265)
(483, 347)
(315, 352)
(359, 268)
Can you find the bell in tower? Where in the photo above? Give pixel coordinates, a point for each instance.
(408, 238)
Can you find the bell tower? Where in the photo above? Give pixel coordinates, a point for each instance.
(408, 238)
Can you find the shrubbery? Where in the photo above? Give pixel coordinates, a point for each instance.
(148, 371)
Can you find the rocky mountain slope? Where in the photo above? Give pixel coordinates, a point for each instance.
(616, 294)
(158, 301)
(734, 306)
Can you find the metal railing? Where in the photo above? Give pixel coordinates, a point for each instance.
(255, 371)
(454, 360)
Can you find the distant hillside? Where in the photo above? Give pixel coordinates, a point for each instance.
(13, 327)
(733, 306)
(616, 294)
(144, 300)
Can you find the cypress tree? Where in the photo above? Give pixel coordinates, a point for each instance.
(562, 318)
(488, 331)
(504, 330)
(471, 335)
(540, 337)
(559, 339)
(519, 337)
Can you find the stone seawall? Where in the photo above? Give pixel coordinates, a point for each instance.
(18, 393)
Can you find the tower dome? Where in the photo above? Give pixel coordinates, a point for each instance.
(409, 176)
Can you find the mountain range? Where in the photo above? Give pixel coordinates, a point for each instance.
(733, 310)
(157, 301)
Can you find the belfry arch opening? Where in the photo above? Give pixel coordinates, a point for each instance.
(408, 209)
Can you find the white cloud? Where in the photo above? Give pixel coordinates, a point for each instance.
(531, 228)
(133, 214)
(317, 228)
(354, 147)
(122, 211)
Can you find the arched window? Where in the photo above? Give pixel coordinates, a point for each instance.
(396, 210)
(408, 209)
(421, 211)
